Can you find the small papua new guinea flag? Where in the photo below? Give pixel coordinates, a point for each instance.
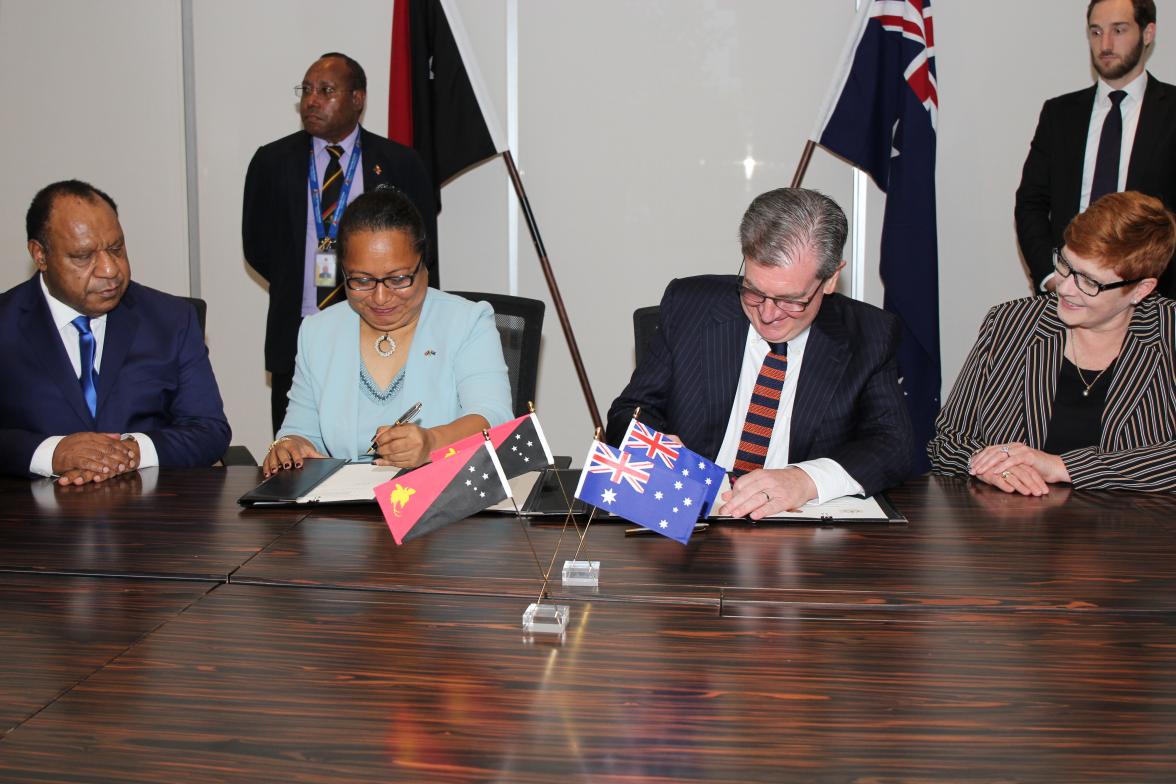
(440, 493)
(519, 443)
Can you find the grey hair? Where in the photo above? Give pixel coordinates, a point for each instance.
(780, 224)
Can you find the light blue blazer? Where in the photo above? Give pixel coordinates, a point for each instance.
(455, 367)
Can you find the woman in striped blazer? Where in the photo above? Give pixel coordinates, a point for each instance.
(1078, 386)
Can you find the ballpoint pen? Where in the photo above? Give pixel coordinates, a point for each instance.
(407, 415)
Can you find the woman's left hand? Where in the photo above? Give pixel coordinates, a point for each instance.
(405, 446)
(999, 458)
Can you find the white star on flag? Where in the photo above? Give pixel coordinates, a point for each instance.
(663, 524)
(687, 502)
(658, 495)
(675, 510)
(685, 472)
(701, 466)
(485, 476)
(469, 482)
(677, 485)
(471, 469)
(609, 496)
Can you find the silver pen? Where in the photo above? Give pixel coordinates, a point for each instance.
(405, 417)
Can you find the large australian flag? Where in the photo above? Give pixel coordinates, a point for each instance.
(881, 117)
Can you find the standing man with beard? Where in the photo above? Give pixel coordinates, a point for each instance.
(1119, 134)
(295, 192)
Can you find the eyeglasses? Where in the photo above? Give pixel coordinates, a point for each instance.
(365, 283)
(327, 91)
(754, 298)
(1086, 284)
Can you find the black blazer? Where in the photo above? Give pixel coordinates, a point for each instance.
(273, 224)
(848, 406)
(155, 379)
(1051, 181)
(1006, 389)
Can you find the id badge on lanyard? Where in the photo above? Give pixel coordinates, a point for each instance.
(325, 257)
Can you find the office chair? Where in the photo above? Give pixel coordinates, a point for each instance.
(235, 455)
(520, 327)
(645, 323)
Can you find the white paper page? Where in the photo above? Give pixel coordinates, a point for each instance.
(352, 482)
(846, 508)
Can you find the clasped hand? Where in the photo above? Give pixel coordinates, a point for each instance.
(1017, 468)
(93, 457)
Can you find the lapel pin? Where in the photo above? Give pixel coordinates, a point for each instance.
(376, 170)
(430, 352)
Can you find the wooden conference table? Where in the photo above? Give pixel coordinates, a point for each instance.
(154, 631)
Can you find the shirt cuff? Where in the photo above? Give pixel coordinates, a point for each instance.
(1045, 280)
(42, 462)
(148, 457)
(831, 479)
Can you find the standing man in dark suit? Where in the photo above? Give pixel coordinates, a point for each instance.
(772, 374)
(102, 376)
(1119, 134)
(291, 243)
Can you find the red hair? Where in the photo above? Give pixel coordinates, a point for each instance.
(1130, 233)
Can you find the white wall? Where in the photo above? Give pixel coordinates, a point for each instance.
(634, 119)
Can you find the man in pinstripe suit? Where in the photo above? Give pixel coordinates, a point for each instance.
(841, 426)
(1078, 386)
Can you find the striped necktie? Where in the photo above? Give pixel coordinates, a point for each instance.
(761, 413)
(332, 188)
(86, 348)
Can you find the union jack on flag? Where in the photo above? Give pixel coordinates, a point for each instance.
(654, 445)
(620, 465)
(663, 500)
(881, 116)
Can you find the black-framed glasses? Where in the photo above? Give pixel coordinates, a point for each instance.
(754, 298)
(366, 283)
(1086, 284)
(327, 91)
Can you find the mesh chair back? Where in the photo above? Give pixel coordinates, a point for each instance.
(520, 328)
(645, 321)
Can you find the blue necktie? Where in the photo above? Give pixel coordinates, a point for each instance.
(86, 346)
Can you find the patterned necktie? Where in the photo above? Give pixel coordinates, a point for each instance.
(761, 413)
(86, 347)
(1110, 149)
(329, 200)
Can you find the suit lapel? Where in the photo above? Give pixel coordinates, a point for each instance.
(826, 355)
(1043, 360)
(1153, 120)
(44, 347)
(1077, 127)
(121, 325)
(375, 171)
(1135, 371)
(723, 343)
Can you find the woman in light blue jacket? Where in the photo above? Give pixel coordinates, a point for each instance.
(359, 368)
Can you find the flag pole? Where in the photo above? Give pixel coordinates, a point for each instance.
(553, 287)
(802, 167)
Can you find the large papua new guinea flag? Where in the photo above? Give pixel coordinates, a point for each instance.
(437, 99)
(436, 494)
(881, 116)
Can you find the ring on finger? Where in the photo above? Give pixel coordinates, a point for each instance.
(1004, 475)
(1005, 449)
(765, 492)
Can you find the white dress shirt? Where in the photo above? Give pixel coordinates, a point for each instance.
(1129, 108)
(63, 316)
(832, 481)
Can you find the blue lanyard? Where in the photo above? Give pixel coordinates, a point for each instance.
(316, 197)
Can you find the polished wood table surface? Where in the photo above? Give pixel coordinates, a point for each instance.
(963, 546)
(990, 638)
(57, 633)
(258, 683)
(152, 523)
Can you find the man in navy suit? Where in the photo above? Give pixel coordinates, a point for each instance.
(283, 241)
(1117, 135)
(774, 375)
(102, 376)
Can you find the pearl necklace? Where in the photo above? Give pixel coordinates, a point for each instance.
(386, 338)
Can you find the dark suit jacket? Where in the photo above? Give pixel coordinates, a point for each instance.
(155, 379)
(848, 405)
(1006, 389)
(1051, 181)
(273, 224)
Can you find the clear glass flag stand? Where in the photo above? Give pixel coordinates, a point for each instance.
(544, 617)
